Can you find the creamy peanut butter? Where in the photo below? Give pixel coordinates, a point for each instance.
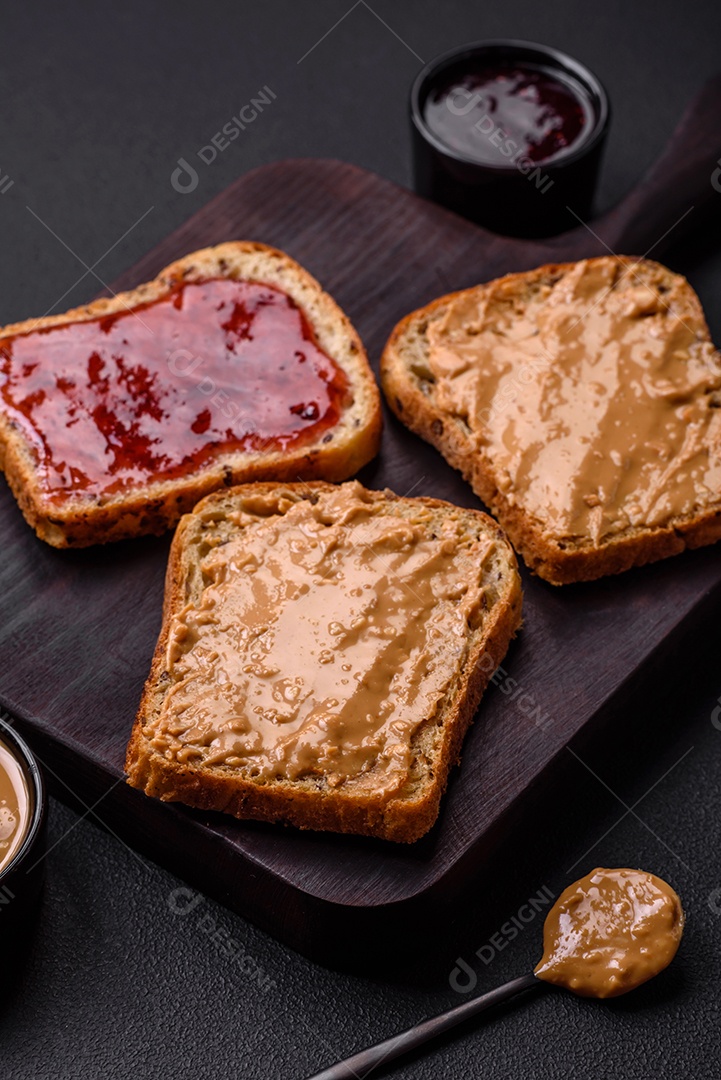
(609, 932)
(321, 639)
(14, 806)
(597, 402)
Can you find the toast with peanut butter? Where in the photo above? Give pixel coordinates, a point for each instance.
(232, 365)
(322, 654)
(581, 401)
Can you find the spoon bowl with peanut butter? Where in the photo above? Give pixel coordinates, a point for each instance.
(608, 933)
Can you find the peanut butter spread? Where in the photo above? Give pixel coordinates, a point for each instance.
(14, 806)
(609, 932)
(324, 634)
(597, 399)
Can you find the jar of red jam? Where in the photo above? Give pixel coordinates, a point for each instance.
(510, 135)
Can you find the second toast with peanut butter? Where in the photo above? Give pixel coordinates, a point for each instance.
(582, 402)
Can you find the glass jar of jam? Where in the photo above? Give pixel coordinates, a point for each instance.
(510, 135)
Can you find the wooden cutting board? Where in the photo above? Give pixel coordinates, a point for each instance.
(78, 628)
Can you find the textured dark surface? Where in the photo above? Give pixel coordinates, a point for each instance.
(99, 105)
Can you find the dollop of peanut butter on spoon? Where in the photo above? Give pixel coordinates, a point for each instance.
(605, 935)
(610, 932)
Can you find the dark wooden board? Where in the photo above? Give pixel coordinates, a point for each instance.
(78, 628)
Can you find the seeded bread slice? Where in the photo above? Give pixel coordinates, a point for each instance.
(314, 801)
(157, 504)
(412, 392)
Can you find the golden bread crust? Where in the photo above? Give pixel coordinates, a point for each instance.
(411, 398)
(310, 803)
(154, 507)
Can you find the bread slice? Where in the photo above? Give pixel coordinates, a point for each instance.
(445, 601)
(155, 500)
(488, 377)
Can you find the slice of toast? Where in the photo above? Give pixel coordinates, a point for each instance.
(322, 653)
(97, 446)
(581, 401)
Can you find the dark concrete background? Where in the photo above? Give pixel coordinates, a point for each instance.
(99, 101)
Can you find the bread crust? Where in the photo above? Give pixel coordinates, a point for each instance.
(313, 805)
(550, 558)
(156, 506)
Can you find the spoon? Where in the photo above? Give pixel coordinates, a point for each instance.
(606, 934)
(360, 1065)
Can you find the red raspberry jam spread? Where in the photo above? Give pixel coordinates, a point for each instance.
(156, 391)
(494, 114)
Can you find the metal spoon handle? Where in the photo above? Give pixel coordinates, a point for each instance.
(360, 1065)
